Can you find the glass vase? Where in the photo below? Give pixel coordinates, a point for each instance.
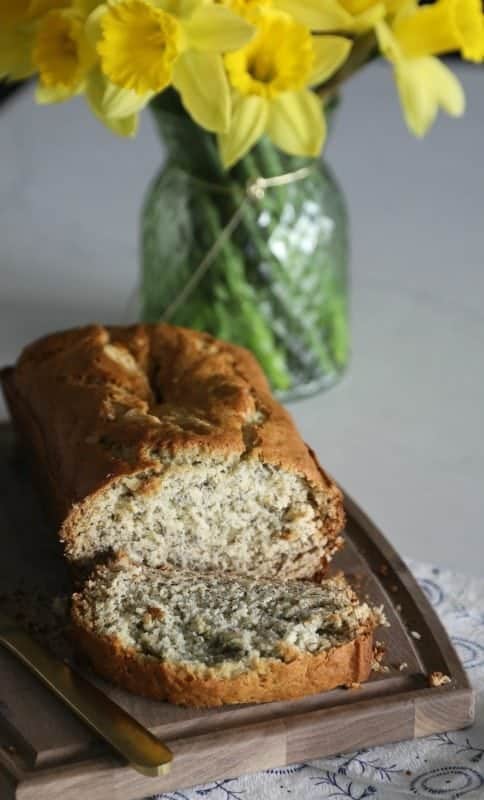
(263, 264)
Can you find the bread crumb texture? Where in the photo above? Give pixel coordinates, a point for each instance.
(223, 622)
(200, 510)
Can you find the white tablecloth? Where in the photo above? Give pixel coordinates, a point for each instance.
(445, 766)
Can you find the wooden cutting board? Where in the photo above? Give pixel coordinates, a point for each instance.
(46, 754)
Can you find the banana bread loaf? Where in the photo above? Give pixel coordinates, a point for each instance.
(166, 444)
(207, 640)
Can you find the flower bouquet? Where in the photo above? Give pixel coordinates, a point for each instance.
(244, 230)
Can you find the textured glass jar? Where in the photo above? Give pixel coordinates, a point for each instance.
(278, 284)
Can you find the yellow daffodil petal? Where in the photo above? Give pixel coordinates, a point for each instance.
(187, 7)
(249, 117)
(179, 8)
(118, 103)
(123, 126)
(330, 52)
(216, 28)
(95, 91)
(110, 101)
(399, 9)
(444, 26)
(356, 7)
(115, 102)
(92, 25)
(96, 88)
(45, 95)
(296, 123)
(366, 13)
(249, 9)
(317, 15)
(387, 42)
(16, 52)
(139, 45)
(202, 83)
(451, 93)
(424, 85)
(368, 19)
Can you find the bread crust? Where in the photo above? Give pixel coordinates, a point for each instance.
(96, 404)
(268, 681)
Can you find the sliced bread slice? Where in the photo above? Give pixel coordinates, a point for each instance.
(207, 640)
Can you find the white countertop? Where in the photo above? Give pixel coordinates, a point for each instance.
(404, 431)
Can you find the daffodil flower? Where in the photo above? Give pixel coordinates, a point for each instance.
(66, 60)
(424, 84)
(18, 19)
(146, 45)
(444, 26)
(270, 77)
(62, 54)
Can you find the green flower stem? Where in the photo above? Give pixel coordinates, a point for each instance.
(255, 327)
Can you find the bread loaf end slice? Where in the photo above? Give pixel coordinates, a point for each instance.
(207, 640)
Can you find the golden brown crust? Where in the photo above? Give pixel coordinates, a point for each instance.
(270, 681)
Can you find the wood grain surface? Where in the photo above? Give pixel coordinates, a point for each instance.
(46, 753)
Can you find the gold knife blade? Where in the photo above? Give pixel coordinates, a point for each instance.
(144, 752)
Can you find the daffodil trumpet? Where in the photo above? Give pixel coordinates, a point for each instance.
(62, 54)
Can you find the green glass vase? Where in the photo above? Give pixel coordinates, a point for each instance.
(263, 266)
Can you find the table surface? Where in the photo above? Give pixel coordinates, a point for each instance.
(403, 432)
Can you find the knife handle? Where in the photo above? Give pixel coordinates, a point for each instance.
(144, 752)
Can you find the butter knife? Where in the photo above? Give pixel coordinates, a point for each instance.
(143, 751)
